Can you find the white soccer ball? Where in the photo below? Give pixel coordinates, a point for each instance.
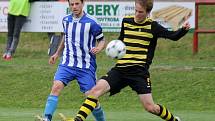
(115, 49)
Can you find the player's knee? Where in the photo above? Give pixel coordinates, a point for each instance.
(95, 92)
(101, 88)
(56, 89)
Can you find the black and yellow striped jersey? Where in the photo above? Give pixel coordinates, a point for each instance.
(141, 40)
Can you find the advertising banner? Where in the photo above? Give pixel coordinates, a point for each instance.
(47, 16)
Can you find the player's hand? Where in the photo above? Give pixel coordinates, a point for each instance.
(95, 50)
(53, 59)
(186, 26)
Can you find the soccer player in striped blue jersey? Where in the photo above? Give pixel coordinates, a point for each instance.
(140, 35)
(83, 39)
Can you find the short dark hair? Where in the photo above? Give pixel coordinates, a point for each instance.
(80, 0)
(148, 4)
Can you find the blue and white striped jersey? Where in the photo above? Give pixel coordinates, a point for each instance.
(80, 37)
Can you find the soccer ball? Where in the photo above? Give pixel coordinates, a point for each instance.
(115, 49)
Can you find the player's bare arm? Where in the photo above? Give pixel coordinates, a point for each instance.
(100, 46)
(54, 57)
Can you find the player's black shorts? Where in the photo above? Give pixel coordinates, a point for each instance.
(136, 77)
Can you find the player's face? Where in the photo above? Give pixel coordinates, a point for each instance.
(76, 7)
(140, 13)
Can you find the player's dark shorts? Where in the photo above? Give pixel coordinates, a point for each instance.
(136, 77)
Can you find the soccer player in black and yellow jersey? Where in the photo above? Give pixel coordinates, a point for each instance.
(140, 35)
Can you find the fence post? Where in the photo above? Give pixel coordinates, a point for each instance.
(197, 30)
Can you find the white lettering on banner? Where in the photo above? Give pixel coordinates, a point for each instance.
(49, 6)
(47, 16)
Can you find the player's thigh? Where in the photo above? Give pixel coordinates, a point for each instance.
(140, 84)
(86, 79)
(64, 74)
(10, 24)
(99, 89)
(115, 80)
(57, 87)
(20, 20)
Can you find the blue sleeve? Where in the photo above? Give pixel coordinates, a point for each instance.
(97, 31)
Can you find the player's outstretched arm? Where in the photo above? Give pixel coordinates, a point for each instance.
(162, 32)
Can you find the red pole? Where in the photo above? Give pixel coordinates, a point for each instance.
(197, 30)
(195, 42)
(195, 35)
